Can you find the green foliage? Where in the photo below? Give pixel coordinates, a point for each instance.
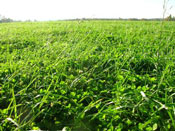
(87, 75)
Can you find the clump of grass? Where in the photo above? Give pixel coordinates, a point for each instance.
(87, 76)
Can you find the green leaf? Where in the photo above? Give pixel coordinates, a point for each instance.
(155, 127)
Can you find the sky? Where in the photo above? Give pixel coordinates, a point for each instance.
(44, 10)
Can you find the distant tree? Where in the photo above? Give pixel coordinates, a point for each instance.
(133, 19)
(28, 20)
(170, 18)
(3, 19)
(143, 19)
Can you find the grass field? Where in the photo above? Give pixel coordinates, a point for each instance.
(87, 75)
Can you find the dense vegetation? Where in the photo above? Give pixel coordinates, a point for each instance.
(87, 75)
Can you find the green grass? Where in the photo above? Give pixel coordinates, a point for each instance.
(88, 75)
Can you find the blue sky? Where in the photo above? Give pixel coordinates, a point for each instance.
(70, 9)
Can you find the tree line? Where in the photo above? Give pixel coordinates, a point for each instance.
(170, 18)
(3, 19)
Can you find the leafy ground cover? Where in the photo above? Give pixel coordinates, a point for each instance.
(87, 75)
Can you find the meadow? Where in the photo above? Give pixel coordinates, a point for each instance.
(87, 75)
